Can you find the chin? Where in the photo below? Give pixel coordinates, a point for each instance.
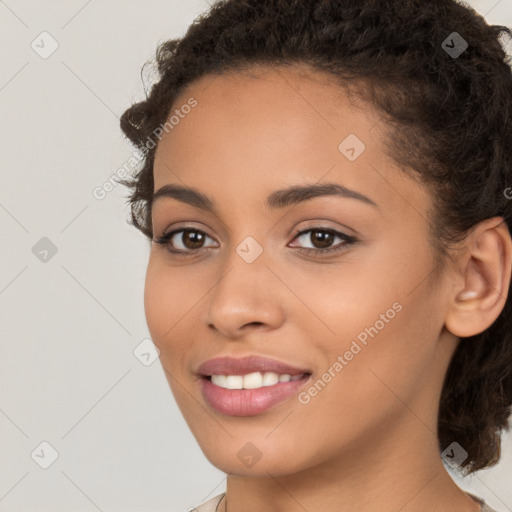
(252, 456)
(262, 468)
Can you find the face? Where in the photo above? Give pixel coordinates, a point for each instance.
(363, 320)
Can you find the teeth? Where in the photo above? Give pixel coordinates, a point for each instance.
(219, 380)
(270, 378)
(234, 382)
(252, 380)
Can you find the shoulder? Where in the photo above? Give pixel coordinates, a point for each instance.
(485, 507)
(208, 506)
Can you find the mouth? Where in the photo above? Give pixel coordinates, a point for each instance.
(249, 385)
(227, 394)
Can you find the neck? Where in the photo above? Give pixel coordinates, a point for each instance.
(406, 474)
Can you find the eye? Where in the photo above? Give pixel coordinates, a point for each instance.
(322, 240)
(190, 240)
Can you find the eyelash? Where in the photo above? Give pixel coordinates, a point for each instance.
(349, 240)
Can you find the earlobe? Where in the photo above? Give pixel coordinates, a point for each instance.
(486, 272)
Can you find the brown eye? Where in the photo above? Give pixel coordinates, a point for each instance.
(183, 241)
(192, 239)
(321, 240)
(189, 242)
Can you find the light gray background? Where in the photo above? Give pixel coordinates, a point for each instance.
(70, 325)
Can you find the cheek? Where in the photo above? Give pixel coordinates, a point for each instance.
(377, 314)
(155, 303)
(165, 303)
(169, 309)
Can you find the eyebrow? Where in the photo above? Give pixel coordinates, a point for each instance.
(278, 199)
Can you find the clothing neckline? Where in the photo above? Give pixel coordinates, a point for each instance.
(478, 500)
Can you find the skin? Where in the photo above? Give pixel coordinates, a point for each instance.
(367, 441)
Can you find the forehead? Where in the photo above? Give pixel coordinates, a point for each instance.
(256, 131)
(249, 108)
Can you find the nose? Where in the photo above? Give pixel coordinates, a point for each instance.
(246, 296)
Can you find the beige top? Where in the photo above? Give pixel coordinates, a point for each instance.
(211, 505)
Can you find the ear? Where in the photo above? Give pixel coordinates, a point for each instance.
(485, 272)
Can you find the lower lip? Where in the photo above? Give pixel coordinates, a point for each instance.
(249, 402)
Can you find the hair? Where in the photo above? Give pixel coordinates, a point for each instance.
(449, 125)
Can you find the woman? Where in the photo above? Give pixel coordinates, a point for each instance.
(325, 187)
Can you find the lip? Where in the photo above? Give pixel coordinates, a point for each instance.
(248, 402)
(245, 365)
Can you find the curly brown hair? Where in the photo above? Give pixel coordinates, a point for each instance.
(449, 117)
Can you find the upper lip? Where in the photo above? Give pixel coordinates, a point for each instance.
(245, 365)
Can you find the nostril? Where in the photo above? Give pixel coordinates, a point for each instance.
(253, 323)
